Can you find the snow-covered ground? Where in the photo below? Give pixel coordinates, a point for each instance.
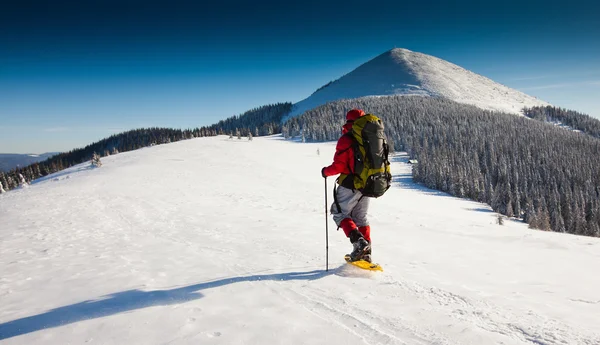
(218, 241)
(404, 72)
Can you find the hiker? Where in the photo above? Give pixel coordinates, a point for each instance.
(350, 207)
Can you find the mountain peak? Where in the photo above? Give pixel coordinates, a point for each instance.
(399, 51)
(402, 71)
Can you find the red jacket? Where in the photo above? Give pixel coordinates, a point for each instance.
(343, 160)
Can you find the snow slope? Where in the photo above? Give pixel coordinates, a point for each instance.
(401, 71)
(217, 241)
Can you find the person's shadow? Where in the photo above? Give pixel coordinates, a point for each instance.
(135, 299)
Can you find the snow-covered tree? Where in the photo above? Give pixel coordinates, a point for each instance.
(96, 163)
(2, 188)
(10, 183)
(249, 136)
(3, 181)
(22, 182)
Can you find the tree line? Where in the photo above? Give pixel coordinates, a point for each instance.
(265, 120)
(575, 120)
(533, 170)
(536, 171)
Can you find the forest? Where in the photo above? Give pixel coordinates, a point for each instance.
(544, 174)
(542, 168)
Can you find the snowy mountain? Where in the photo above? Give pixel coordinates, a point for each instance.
(9, 161)
(401, 71)
(212, 241)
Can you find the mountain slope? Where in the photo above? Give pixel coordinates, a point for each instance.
(175, 244)
(401, 71)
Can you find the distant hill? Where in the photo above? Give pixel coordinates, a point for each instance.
(265, 120)
(9, 161)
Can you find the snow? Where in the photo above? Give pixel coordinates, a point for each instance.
(403, 72)
(219, 241)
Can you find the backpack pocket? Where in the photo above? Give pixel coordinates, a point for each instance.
(377, 184)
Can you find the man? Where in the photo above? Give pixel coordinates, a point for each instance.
(350, 207)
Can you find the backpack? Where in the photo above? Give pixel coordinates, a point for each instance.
(371, 176)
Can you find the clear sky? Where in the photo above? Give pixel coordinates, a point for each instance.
(74, 72)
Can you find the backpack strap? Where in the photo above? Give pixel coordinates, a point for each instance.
(335, 199)
(349, 180)
(386, 152)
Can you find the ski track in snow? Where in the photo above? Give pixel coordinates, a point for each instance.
(221, 241)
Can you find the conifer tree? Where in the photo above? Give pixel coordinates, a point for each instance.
(500, 219)
(22, 182)
(96, 163)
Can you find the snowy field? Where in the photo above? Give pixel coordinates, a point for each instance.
(218, 241)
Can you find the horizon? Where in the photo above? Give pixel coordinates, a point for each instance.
(77, 73)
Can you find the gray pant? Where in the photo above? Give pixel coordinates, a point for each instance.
(352, 204)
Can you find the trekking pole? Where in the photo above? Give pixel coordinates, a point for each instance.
(326, 231)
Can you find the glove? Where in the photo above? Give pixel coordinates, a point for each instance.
(323, 173)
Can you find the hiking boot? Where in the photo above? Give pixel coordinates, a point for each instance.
(367, 254)
(359, 244)
(367, 258)
(360, 247)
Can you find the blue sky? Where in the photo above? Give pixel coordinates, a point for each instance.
(72, 73)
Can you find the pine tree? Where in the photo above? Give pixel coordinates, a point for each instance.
(593, 229)
(509, 210)
(533, 220)
(3, 181)
(22, 182)
(96, 163)
(544, 221)
(10, 182)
